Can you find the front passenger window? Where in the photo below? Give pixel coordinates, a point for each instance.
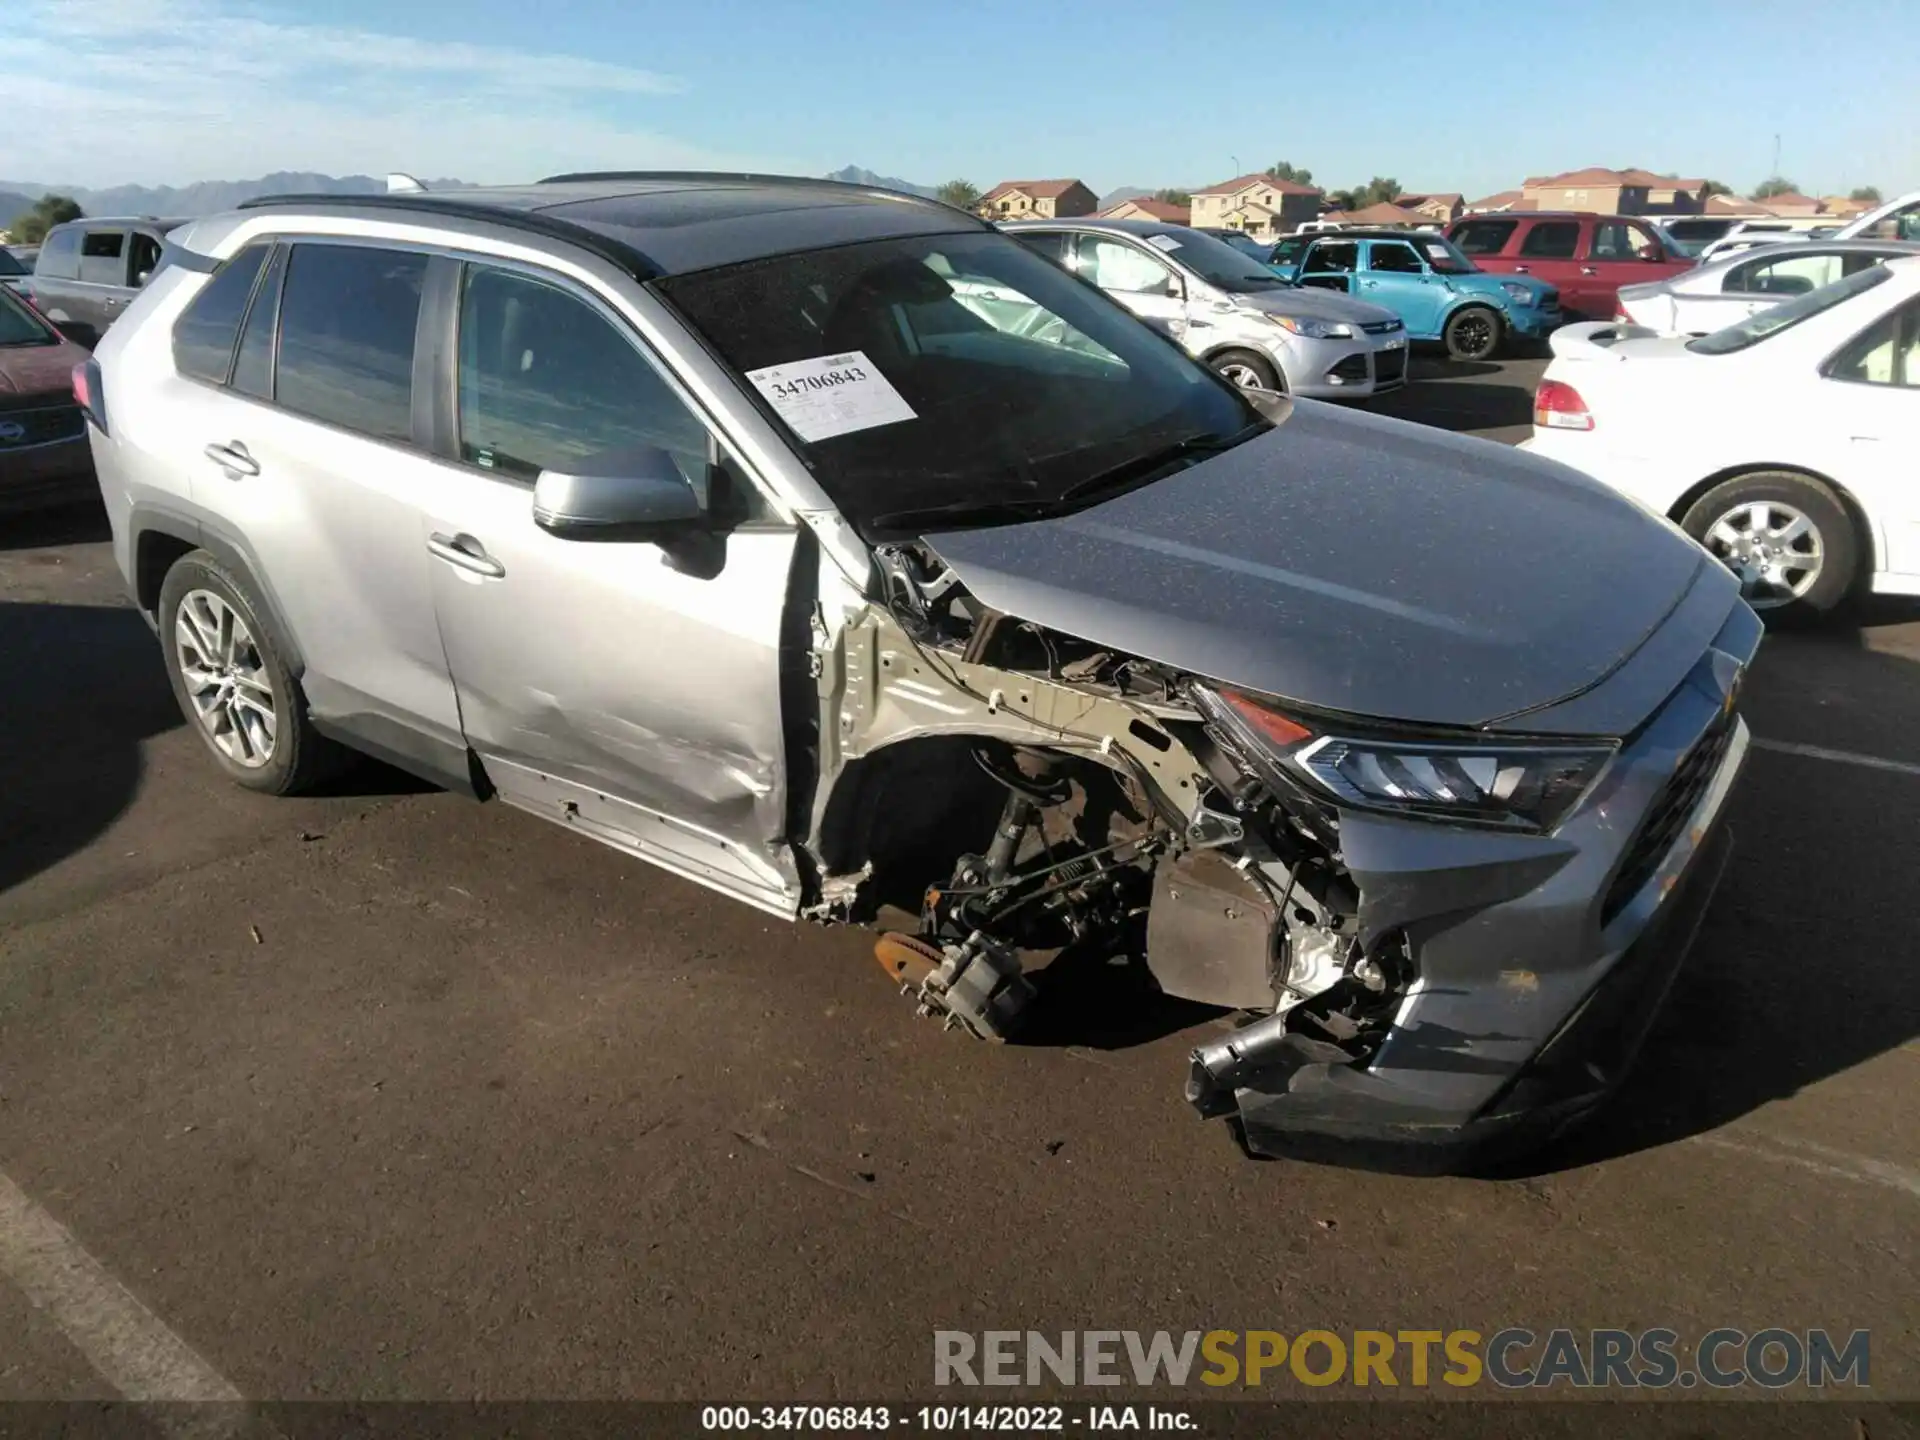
(548, 383)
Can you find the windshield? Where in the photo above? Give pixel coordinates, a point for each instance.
(1444, 256)
(948, 380)
(1221, 265)
(1755, 328)
(10, 263)
(19, 325)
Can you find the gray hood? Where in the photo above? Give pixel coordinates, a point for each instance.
(1310, 303)
(1354, 563)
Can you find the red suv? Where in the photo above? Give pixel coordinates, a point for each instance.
(1588, 256)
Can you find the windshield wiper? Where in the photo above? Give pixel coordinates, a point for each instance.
(1129, 474)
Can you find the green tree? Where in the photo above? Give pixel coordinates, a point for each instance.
(1173, 197)
(961, 194)
(1866, 195)
(1710, 188)
(1774, 185)
(1299, 174)
(1343, 199)
(47, 212)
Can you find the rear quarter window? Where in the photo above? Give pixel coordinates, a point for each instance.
(204, 335)
(59, 257)
(1484, 237)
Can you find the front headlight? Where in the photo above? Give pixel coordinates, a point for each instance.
(1520, 294)
(1510, 786)
(1314, 329)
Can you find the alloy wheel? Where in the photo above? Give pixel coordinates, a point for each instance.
(1245, 376)
(1475, 333)
(1773, 548)
(225, 677)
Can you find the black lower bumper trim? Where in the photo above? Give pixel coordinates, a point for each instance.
(1297, 1106)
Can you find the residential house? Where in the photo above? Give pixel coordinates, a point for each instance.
(1792, 204)
(1842, 207)
(1614, 192)
(1262, 206)
(1734, 205)
(1499, 203)
(1441, 209)
(1038, 200)
(1145, 207)
(1381, 214)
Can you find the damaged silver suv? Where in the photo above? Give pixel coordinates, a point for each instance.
(823, 546)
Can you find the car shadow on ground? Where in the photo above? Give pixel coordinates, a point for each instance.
(79, 524)
(88, 689)
(1803, 966)
(1459, 405)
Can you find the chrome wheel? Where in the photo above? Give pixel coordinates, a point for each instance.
(1773, 548)
(224, 676)
(1245, 376)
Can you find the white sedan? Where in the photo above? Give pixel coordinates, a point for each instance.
(1787, 444)
(1716, 294)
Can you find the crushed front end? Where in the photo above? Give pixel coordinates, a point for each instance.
(1442, 941)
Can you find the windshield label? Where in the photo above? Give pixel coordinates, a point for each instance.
(1439, 252)
(830, 395)
(1163, 242)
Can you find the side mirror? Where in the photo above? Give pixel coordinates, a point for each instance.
(641, 497)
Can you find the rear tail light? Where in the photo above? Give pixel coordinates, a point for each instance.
(87, 393)
(1558, 406)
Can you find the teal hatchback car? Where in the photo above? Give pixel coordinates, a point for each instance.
(1424, 279)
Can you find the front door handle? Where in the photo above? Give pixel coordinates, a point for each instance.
(1588, 270)
(1521, 270)
(233, 459)
(463, 552)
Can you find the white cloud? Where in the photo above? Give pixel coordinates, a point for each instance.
(102, 92)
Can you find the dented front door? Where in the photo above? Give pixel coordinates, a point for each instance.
(600, 685)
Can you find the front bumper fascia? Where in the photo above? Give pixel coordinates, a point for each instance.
(1534, 992)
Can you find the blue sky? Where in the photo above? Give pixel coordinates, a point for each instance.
(1466, 95)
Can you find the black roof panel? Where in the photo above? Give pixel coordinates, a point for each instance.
(668, 224)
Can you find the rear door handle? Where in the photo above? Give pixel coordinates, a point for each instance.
(1588, 270)
(463, 552)
(233, 459)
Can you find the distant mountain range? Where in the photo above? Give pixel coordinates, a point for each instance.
(1125, 192)
(208, 197)
(854, 175)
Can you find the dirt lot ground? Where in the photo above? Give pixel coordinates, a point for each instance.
(389, 1095)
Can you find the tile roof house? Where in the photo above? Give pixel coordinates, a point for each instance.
(1442, 207)
(1734, 205)
(1145, 207)
(1791, 203)
(1258, 204)
(1382, 214)
(1843, 206)
(1614, 192)
(1499, 203)
(1038, 200)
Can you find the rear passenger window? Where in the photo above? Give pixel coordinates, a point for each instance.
(1484, 237)
(253, 367)
(347, 317)
(103, 257)
(203, 337)
(1552, 240)
(548, 383)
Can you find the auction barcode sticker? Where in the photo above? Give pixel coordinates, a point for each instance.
(830, 395)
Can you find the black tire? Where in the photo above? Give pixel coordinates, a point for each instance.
(1833, 535)
(1248, 362)
(1473, 333)
(298, 756)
